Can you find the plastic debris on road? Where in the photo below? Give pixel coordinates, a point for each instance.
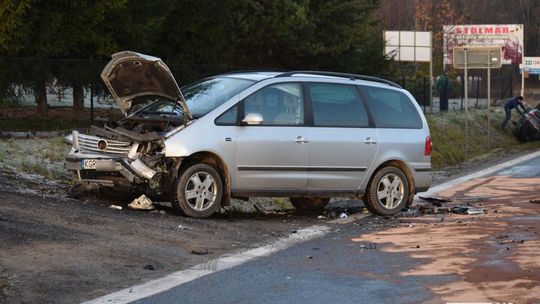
(115, 207)
(142, 203)
(181, 227)
(467, 210)
(436, 201)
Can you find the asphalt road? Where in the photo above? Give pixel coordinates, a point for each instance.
(426, 259)
(56, 249)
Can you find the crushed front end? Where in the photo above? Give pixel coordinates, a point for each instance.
(117, 157)
(130, 152)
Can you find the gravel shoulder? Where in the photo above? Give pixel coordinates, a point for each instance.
(56, 249)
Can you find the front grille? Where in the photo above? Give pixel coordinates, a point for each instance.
(89, 144)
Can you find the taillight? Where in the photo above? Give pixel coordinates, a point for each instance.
(428, 147)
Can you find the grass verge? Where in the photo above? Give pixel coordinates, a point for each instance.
(42, 156)
(448, 136)
(46, 156)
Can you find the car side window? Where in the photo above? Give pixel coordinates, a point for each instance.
(279, 104)
(337, 105)
(392, 109)
(228, 118)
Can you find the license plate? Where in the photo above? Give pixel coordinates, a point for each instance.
(88, 164)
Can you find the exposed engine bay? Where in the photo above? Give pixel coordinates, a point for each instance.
(130, 152)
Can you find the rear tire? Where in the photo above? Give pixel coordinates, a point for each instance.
(198, 191)
(387, 192)
(308, 204)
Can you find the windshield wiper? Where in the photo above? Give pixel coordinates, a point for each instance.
(161, 113)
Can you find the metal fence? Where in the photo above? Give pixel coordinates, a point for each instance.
(20, 77)
(502, 87)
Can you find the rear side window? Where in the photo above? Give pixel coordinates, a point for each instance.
(392, 109)
(337, 105)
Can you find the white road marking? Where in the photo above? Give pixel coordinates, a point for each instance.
(224, 262)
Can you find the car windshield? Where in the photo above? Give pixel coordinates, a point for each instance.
(204, 96)
(201, 97)
(158, 106)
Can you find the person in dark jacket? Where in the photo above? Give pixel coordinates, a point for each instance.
(513, 103)
(444, 87)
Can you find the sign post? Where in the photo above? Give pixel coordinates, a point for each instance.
(484, 57)
(466, 104)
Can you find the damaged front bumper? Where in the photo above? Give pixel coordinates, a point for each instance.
(103, 162)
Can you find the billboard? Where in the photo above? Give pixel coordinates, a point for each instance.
(508, 36)
(408, 45)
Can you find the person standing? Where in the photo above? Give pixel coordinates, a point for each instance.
(513, 103)
(444, 86)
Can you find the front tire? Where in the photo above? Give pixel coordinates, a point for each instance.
(388, 192)
(198, 191)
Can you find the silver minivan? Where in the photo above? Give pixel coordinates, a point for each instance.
(306, 135)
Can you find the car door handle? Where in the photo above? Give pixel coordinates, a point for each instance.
(370, 141)
(301, 140)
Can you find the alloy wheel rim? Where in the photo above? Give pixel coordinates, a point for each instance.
(390, 191)
(201, 191)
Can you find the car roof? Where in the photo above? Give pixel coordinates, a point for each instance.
(262, 75)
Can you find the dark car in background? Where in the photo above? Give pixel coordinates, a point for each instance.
(527, 128)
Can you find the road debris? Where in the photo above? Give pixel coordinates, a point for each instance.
(368, 246)
(419, 210)
(183, 227)
(149, 267)
(343, 215)
(258, 208)
(436, 201)
(409, 212)
(464, 209)
(115, 207)
(142, 203)
(162, 212)
(201, 252)
(534, 201)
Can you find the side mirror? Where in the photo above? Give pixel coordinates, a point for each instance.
(252, 119)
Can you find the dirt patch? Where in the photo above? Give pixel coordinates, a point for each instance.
(494, 255)
(57, 249)
(6, 285)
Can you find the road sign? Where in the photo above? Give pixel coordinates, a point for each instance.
(531, 65)
(474, 57)
(478, 57)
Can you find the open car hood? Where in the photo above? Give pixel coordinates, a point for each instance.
(129, 75)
